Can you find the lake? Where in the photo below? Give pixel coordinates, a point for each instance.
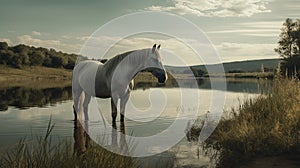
(25, 112)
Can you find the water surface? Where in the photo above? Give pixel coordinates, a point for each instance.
(25, 112)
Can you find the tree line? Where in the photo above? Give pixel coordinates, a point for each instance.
(23, 97)
(289, 48)
(22, 55)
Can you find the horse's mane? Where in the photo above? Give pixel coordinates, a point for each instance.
(112, 63)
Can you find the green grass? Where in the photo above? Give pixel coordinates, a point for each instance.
(33, 73)
(264, 126)
(34, 77)
(244, 75)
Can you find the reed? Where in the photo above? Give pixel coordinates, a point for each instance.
(41, 152)
(267, 125)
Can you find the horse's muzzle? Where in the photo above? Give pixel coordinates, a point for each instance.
(159, 74)
(161, 78)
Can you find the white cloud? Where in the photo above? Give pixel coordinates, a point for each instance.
(36, 33)
(263, 24)
(248, 32)
(218, 8)
(176, 51)
(83, 38)
(27, 39)
(8, 41)
(262, 34)
(173, 50)
(257, 29)
(56, 44)
(244, 31)
(245, 51)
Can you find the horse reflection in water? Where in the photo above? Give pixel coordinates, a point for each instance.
(82, 141)
(81, 138)
(122, 148)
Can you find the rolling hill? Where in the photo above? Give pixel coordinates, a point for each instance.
(241, 66)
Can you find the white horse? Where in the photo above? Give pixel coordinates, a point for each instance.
(114, 78)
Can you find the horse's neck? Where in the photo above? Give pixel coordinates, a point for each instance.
(130, 66)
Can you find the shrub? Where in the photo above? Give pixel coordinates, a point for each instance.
(266, 125)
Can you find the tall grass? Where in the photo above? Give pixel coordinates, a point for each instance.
(43, 153)
(262, 126)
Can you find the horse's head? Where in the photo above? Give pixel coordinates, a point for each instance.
(155, 66)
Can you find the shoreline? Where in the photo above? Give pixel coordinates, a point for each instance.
(38, 74)
(34, 77)
(33, 73)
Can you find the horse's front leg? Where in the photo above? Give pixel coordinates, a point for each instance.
(114, 103)
(124, 100)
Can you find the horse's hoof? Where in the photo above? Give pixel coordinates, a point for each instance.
(114, 125)
(122, 118)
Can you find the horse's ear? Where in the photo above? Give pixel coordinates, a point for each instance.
(153, 48)
(158, 47)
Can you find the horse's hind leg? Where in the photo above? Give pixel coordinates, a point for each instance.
(76, 94)
(87, 99)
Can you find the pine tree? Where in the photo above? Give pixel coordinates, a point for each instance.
(289, 47)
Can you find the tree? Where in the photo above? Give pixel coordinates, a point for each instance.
(7, 57)
(71, 61)
(37, 58)
(197, 72)
(3, 46)
(17, 61)
(22, 55)
(3, 53)
(59, 61)
(289, 47)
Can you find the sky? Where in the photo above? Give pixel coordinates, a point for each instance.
(239, 29)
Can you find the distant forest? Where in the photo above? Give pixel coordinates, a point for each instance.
(22, 55)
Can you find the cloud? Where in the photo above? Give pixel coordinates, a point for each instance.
(263, 24)
(245, 51)
(256, 29)
(244, 31)
(174, 51)
(8, 41)
(262, 34)
(215, 8)
(27, 39)
(178, 51)
(36, 33)
(47, 43)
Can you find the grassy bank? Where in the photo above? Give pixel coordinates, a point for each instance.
(33, 73)
(257, 75)
(268, 125)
